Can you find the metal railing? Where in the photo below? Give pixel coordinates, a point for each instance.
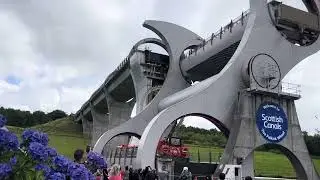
(219, 33)
(291, 88)
(207, 156)
(284, 88)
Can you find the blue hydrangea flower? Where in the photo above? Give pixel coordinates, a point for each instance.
(95, 159)
(44, 168)
(35, 136)
(52, 152)
(27, 134)
(8, 141)
(13, 161)
(61, 163)
(79, 171)
(73, 166)
(38, 151)
(3, 120)
(57, 176)
(5, 170)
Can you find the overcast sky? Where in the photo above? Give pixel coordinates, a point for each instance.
(54, 54)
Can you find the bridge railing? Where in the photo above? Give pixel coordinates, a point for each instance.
(111, 76)
(218, 34)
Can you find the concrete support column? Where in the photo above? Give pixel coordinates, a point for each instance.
(141, 83)
(248, 165)
(87, 127)
(298, 147)
(245, 141)
(100, 124)
(119, 112)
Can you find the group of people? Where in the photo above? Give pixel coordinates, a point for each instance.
(115, 172)
(187, 175)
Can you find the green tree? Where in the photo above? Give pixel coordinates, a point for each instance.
(57, 114)
(24, 119)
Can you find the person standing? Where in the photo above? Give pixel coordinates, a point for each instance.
(126, 173)
(222, 176)
(185, 174)
(105, 174)
(151, 175)
(122, 173)
(163, 174)
(78, 156)
(115, 173)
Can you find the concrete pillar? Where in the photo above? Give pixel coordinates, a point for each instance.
(248, 165)
(298, 147)
(87, 127)
(119, 112)
(141, 83)
(100, 124)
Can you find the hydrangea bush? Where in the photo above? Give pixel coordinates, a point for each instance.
(95, 161)
(32, 158)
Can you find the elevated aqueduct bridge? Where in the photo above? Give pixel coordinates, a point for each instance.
(239, 71)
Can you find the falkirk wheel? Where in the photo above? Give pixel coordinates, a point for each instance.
(239, 71)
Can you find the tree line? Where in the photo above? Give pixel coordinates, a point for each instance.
(213, 137)
(201, 137)
(24, 119)
(189, 135)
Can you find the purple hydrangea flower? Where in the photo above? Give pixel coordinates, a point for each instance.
(3, 120)
(35, 136)
(8, 141)
(96, 160)
(73, 166)
(79, 171)
(5, 170)
(52, 152)
(13, 161)
(61, 163)
(38, 151)
(27, 134)
(57, 176)
(44, 168)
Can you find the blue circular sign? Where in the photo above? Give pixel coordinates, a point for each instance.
(272, 122)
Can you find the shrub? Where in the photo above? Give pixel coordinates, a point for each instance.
(34, 159)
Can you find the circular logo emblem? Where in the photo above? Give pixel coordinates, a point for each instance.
(272, 122)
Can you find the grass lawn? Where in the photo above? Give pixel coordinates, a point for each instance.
(265, 163)
(64, 135)
(66, 145)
